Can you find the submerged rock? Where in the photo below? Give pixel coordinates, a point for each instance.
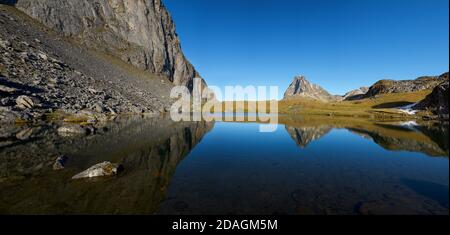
(24, 134)
(69, 130)
(60, 162)
(99, 170)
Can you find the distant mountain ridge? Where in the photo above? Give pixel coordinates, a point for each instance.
(401, 86)
(302, 88)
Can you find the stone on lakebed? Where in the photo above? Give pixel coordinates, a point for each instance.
(99, 170)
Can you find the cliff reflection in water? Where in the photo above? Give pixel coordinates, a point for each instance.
(336, 166)
(428, 138)
(149, 150)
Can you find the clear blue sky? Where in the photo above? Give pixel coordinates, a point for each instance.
(338, 44)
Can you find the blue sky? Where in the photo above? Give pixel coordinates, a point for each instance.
(338, 44)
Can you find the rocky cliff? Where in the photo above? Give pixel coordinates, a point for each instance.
(302, 88)
(402, 86)
(140, 32)
(42, 73)
(437, 101)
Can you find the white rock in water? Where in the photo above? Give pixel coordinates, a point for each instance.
(101, 169)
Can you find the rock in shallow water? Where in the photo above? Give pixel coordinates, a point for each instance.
(60, 163)
(71, 130)
(99, 170)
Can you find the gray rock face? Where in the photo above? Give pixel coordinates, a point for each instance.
(302, 88)
(437, 101)
(41, 74)
(392, 86)
(356, 94)
(140, 32)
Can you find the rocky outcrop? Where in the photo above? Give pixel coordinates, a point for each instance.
(302, 88)
(392, 86)
(356, 94)
(437, 101)
(141, 32)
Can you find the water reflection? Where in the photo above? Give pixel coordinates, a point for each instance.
(311, 166)
(430, 138)
(149, 150)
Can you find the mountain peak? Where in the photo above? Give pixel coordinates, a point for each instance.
(302, 88)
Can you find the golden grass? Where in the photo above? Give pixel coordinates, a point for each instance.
(382, 106)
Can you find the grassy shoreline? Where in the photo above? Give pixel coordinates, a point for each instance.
(383, 106)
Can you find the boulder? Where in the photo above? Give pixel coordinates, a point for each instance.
(25, 102)
(100, 170)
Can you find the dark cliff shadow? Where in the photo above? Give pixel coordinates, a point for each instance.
(391, 105)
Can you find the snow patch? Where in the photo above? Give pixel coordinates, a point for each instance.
(409, 123)
(408, 109)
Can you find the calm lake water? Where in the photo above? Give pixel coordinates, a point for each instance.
(308, 166)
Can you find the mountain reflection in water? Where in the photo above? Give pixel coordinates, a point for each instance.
(308, 166)
(149, 150)
(429, 138)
